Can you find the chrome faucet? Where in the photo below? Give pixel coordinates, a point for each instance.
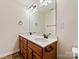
(46, 36)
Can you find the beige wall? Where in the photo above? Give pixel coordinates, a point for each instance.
(66, 27)
(11, 12)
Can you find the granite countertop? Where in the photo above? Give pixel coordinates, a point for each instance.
(39, 40)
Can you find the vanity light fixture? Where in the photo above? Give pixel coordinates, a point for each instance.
(45, 2)
(35, 10)
(41, 1)
(32, 9)
(49, 1)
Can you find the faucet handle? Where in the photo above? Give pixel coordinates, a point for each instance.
(45, 36)
(30, 33)
(49, 34)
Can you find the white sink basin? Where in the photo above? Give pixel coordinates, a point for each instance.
(41, 39)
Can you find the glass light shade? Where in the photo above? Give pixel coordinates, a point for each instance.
(41, 1)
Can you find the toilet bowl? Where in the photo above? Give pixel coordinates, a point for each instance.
(75, 52)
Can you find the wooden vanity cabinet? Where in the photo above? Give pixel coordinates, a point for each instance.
(31, 50)
(36, 56)
(23, 44)
(30, 53)
(50, 52)
(35, 48)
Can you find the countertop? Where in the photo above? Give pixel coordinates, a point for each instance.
(39, 40)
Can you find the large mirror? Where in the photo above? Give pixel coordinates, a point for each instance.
(42, 17)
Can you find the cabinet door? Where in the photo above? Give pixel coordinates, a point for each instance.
(25, 53)
(50, 52)
(29, 53)
(35, 56)
(35, 48)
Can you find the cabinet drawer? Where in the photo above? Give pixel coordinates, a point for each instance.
(35, 48)
(24, 40)
(54, 45)
(35, 56)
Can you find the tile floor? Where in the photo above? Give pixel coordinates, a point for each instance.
(14, 56)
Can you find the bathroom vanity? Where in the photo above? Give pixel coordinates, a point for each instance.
(42, 20)
(35, 49)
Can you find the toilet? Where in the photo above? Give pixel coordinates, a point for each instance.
(75, 52)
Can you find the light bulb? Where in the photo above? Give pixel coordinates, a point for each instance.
(45, 3)
(41, 1)
(35, 10)
(49, 1)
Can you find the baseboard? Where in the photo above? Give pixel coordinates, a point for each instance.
(64, 57)
(9, 53)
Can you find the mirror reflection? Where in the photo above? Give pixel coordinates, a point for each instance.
(42, 17)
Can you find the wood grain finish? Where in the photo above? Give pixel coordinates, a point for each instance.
(32, 51)
(23, 46)
(29, 53)
(52, 54)
(35, 48)
(36, 56)
(25, 53)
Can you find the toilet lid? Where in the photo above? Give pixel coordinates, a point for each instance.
(75, 50)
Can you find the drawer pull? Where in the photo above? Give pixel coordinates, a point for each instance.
(49, 49)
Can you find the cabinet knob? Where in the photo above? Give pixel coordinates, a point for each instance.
(49, 49)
